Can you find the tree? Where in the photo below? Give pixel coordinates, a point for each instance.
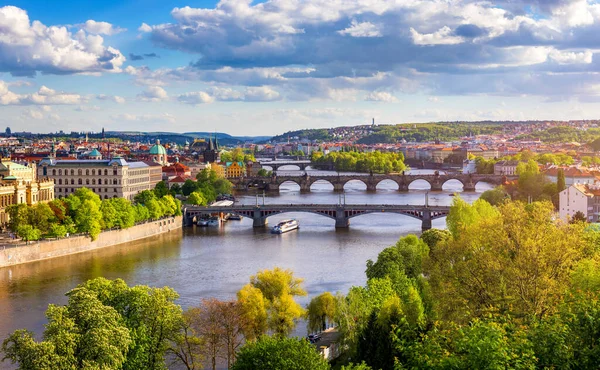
(110, 217)
(281, 354)
(271, 292)
(161, 189)
(494, 196)
(58, 231)
(320, 310)
(196, 198)
(150, 314)
(561, 183)
(83, 334)
(189, 186)
(28, 233)
(144, 196)
(578, 217)
(88, 217)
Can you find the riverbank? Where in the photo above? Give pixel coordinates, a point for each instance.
(46, 249)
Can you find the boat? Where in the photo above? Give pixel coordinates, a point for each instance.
(214, 221)
(203, 221)
(235, 217)
(285, 226)
(229, 197)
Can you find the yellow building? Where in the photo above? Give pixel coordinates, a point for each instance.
(20, 184)
(235, 169)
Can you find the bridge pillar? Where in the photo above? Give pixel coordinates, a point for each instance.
(188, 220)
(338, 186)
(436, 185)
(305, 186)
(341, 221)
(258, 220)
(371, 186)
(402, 186)
(426, 224)
(469, 186)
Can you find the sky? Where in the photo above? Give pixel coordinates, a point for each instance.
(266, 67)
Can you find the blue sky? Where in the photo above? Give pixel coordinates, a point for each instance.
(259, 68)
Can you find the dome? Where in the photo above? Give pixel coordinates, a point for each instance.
(95, 153)
(158, 149)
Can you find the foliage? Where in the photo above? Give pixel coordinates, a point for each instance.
(270, 298)
(197, 199)
(375, 162)
(321, 309)
(281, 354)
(237, 155)
(495, 196)
(28, 233)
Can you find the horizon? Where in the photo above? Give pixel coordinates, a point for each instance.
(255, 68)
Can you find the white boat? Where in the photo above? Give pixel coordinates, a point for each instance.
(214, 221)
(285, 226)
(202, 221)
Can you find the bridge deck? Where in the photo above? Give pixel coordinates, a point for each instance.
(289, 207)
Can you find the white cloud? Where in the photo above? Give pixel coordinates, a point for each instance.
(101, 28)
(443, 36)
(153, 94)
(362, 29)
(145, 28)
(199, 97)
(87, 108)
(44, 96)
(567, 57)
(29, 47)
(114, 98)
(381, 96)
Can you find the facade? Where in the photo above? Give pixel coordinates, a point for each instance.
(109, 178)
(211, 154)
(506, 168)
(584, 198)
(235, 169)
(20, 184)
(573, 175)
(158, 154)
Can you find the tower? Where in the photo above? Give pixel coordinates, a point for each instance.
(103, 134)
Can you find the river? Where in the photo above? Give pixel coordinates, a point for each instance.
(217, 262)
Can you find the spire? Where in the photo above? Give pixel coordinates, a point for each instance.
(216, 142)
(211, 145)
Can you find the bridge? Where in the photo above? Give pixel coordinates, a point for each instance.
(341, 213)
(301, 164)
(469, 181)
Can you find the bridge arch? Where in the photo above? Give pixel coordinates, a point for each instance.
(449, 183)
(286, 167)
(289, 182)
(417, 184)
(387, 183)
(364, 185)
(325, 184)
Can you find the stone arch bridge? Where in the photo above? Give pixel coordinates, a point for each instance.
(469, 181)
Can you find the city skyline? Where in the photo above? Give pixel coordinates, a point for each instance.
(260, 68)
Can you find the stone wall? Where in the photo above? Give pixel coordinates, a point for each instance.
(36, 251)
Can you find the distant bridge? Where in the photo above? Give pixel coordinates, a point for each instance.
(468, 181)
(341, 213)
(301, 164)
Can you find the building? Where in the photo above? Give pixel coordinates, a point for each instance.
(20, 184)
(252, 168)
(158, 154)
(573, 175)
(584, 198)
(506, 168)
(235, 169)
(109, 178)
(211, 154)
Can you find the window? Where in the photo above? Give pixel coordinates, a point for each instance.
(115, 190)
(114, 171)
(72, 182)
(59, 172)
(115, 182)
(93, 181)
(105, 172)
(79, 172)
(53, 172)
(93, 172)
(99, 181)
(72, 172)
(87, 172)
(80, 182)
(87, 181)
(59, 181)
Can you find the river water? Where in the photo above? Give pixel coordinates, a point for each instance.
(217, 262)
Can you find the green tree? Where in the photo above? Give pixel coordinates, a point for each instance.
(88, 217)
(196, 198)
(58, 231)
(83, 334)
(28, 233)
(321, 309)
(144, 196)
(161, 189)
(281, 354)
(110, 216)
(561, 183)
(278, 288)
(494, 196)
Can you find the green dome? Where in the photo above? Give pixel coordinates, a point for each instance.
(95, 153)
(158, 149)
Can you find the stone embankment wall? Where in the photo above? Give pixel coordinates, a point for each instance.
(36, 251)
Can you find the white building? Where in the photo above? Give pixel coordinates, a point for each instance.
(584, 198)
